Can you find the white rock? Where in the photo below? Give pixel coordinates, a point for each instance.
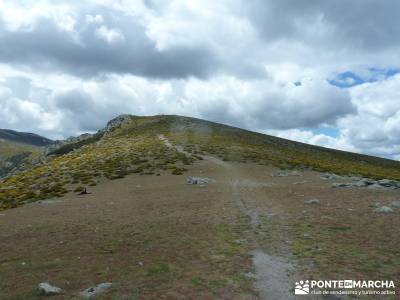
(340, 185)
(198, 180)
(47, 289)
(396, 204)
(375, 186)
(384, 210)
(312, 201)
(96, 290)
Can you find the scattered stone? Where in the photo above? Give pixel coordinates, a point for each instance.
(280, 174)
(46, 289)
(340, 185)
(300, 182)
(360, 183)
(396, 204)
(387, 182)
(330, 176)
(375, 186)
(368, 183)
(295, 173)
(198, 180)
(384, 210)
(285, 173)
(96, 290)
(312, 201)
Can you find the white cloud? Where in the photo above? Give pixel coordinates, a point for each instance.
(97, 19)
(110, 35)
(67, 67)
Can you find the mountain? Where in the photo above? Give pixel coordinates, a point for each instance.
(18, 150)
(131, 144)
(24, 138)
(253, 215)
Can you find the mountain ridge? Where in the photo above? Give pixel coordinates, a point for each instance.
(131, 144)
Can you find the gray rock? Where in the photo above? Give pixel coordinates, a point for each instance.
(360, 183)
(340, 185)
(46, 289)
(387, 182)
(330, 176)
(117, 122)
(300, 182)
(375, 186)
(198, 180)
(96, 290)
(396, 204)
(312, 201)
(280, 174)
(383, 209)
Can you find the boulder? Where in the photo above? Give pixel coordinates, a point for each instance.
(198, 180)
(387, 183)
(46, 289)
(384, 210)
(312, 201)
(95, 290)
(375, 186)
(360, 183)
(340, 185)
(396, 204)
(330, 176)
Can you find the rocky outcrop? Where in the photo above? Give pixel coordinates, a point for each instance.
(46, 289)
(116, 123)
(368, 183)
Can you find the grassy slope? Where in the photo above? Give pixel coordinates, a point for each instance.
(12, 154)
(236, 144)
(135, 148)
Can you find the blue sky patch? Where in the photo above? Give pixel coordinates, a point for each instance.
(327, 130)
(349, 79)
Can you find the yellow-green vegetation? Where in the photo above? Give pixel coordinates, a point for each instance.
(234, 144)
(13, 154)
(134, 147)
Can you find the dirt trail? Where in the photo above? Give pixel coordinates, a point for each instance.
(271, 272)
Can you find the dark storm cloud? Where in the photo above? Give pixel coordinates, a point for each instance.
(50, 48)
(367, 25)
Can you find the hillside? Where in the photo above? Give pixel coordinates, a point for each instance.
(18, 150)
(24, 138)
(252, 215)
(130, 144)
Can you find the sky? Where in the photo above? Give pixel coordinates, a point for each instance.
(320, 72)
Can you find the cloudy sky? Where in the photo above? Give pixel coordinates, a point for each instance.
(321, 72)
